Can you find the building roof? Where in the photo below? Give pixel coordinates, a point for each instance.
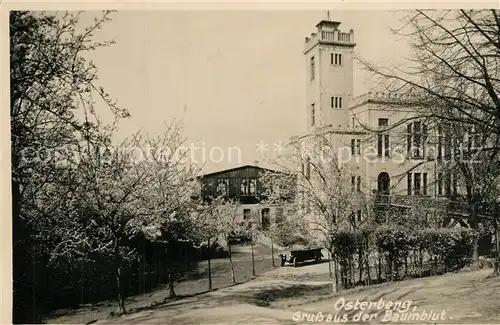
(237, 168)
(329, 23)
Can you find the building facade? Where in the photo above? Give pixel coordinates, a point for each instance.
(392, 153)
(244, 185)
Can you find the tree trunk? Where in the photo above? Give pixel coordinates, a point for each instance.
(351, 271)
(336, 272)
(390, 267)
(171, 291)
(119, 287)
(475, 243)
(421, 260)
(22, 265)
(497, 244)
(233, 277)
(360, 264)
(406, 265)
(253, 261)
(379, 275)
(330, 264)
(209, 266)
(272, 253)
(368, 269)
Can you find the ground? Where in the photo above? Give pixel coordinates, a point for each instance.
(286, 295)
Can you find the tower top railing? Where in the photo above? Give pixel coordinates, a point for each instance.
(328, 32)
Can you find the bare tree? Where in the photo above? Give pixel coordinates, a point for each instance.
(451, 81)
(327, 199)
(226, 214)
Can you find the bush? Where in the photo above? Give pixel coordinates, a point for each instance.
(401, 248)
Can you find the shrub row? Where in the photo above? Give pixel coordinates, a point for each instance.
(396, 249)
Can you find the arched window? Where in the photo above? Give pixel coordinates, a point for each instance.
(384, 183)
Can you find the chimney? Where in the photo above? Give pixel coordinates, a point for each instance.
(256, 163)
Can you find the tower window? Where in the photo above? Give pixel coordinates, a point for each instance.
(313, 117)
(336, 102)
(312, 68)
(336, 58)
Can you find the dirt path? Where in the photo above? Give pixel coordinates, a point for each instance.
(465, 297)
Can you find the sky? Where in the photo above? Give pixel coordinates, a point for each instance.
(234, 78)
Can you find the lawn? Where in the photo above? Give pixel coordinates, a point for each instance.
(196, 284)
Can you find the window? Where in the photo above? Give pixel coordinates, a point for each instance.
(356, 183)
(417, 184)
(440, 184)
(252, 186)
(266, 221)
(424, 185)
(244, 186)
(447, 184)
(440, 142)
(336, 102)
(248, 186)
(416, 138)
(383, 122)
(358, 215)
(308, 169)
(313, 117)
(408, 185)
(353, 122)
(336, 58)
(279, 214)
(222, 187)
(355, 146)
(455, 184)
(380, 145)
(383, 145)
(386, 145)
(312, 68)
(246, 214)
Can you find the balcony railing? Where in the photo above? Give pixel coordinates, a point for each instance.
(335, 36)
(421, 201)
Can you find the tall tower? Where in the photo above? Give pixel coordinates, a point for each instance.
(329, 78)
